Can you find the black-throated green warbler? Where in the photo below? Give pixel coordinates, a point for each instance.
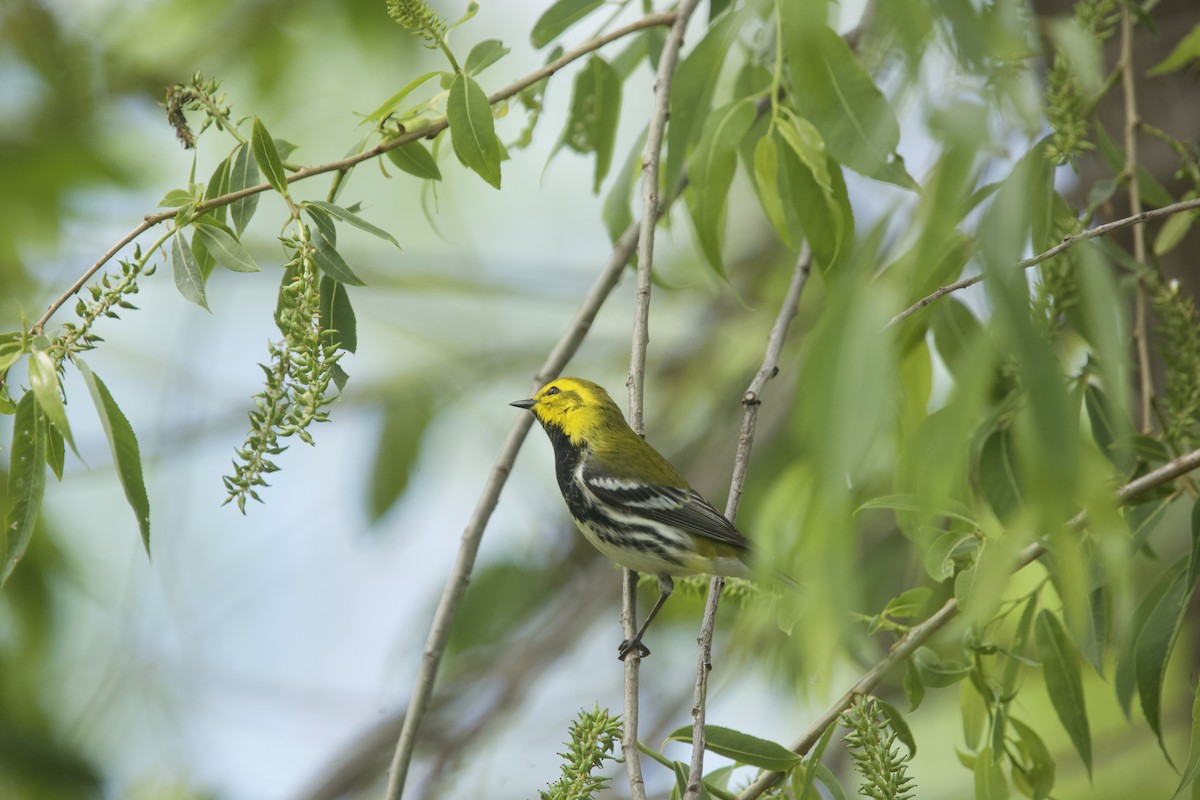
(628, 500)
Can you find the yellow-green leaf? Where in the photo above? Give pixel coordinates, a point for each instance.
(741, 747)
(267, 157)
(43, 379)
(1064, 683)
(26, 482)
(558, 18)
(472, 129)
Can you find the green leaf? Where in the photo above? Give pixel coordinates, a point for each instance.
(472, 129)
(837, 95)
(226, 249)
(827, 221)
(990, 783)
(26, 482)
(188, 278)
(483, 55)
(267, 156)
(955, 332)
(12, 347)
(242, 174)
(1186, 52)
(1194, 559)
(766, 184)
(998, 474)
(406, 415)
(595, 111)
(126, 456)
(829, 781)
(805, 141)
(414, 159)
(944, 507)
(711, 169)
(618, 213)
(942, 556)
(332, 263)
(1173, 231)
(741, 747)
(909, 603)
(337, 316)
(935, 673)
(1111, 428)
(898, 724)
(1038, 765)
(218, 184)
(558, 18)
(43, 380)
(1192, 768)
(353, 219)
(1015, 655)
(1064, 683)
(1155, 642)
(56, 451)
(692, 90)
(914, 688)
(802, 779)
(176, 198)
(1126, 677)
(392, 102)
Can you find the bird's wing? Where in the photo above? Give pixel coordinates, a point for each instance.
(681, 507)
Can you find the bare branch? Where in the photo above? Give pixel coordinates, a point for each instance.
(651, 210)
(919, 634)
(751, 400)
(344, 164)
(1068, 241)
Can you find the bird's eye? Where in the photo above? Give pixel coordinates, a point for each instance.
(553, 390)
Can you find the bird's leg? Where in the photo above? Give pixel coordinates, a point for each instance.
(665, 587)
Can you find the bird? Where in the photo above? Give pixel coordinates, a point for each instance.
(627, 499)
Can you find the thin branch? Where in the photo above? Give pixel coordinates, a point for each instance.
(1142, 346)
(919, 634)
(456, 584)
(1068, 241)
(343, 164)
(651, 210)
(751, 400)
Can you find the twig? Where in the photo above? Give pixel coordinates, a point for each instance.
(919, 634)
(651, 210)
(751, 400)
(1142, 346)
(343, 164)
(456, 584)
(1068, 241)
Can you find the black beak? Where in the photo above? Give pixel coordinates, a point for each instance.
(523, 403)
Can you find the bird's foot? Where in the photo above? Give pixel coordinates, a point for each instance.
(632, 646)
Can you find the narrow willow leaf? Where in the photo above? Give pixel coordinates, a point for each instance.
(766, 182)
(1192, 769)
(126, 456)
(595, 111)
(1015, 655)
(898, 724)
(955, 332)
(741, 747)
(26, 482)
(1172, 232)
(1155, 643)
(803, 777)
(12, 347)
(837, 95)
(323, 222)
(1126, 677)
(242, 174)
(1039, 767)
(827, 223)
(1111, 428)
(914, 688)
(1194, 560)
(974, 714)
(337, 316)
(1064, 683)
(331, 262)
(394, 101)
(176, 198)
(618, 211)
(805, 141)
(188, 278)
(998, 475)
(943, 507)
(472, 129)
(558, 18)
(990, 783)
(56, 451)
(692, 90)
(353, 219)
(267, 156)
(218, 184)
(1185, 53)
(935, 673)
(711, 169)
(43, 380)
(406, 415)
(829, 781)
(226, 249)
(414, 159)
(483, 55)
